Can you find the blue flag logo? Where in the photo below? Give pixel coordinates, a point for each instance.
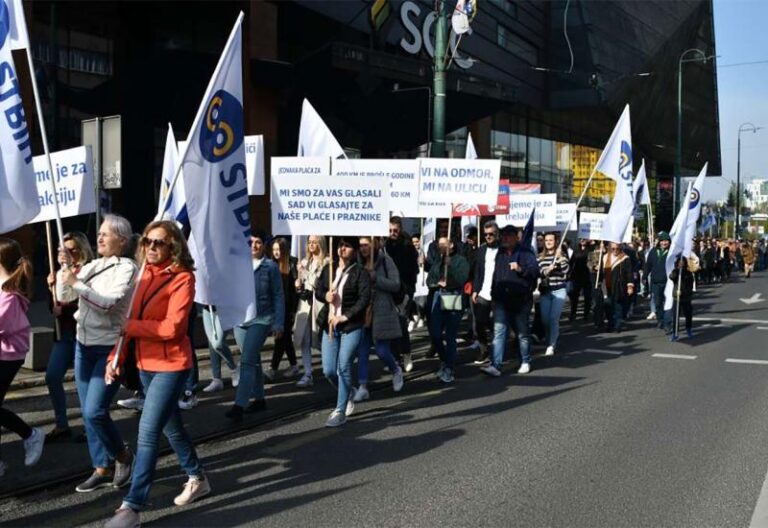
(222, 130)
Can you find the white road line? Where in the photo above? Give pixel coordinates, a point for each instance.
(762, 327)
(597, 351)
(748, 361)
(760, 515)
(674, 356)
(728, 320)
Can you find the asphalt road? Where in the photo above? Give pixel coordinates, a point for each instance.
(605, 433)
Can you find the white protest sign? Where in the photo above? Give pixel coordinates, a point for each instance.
(563, 214)
(431, 209)
(254, 165)
(308, 205)
(591, 225)
(74, 184)
(521, 205)
(298, 166)
(401, 174)
(456, 180)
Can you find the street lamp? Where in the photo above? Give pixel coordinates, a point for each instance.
(744, 127)
(679, 157)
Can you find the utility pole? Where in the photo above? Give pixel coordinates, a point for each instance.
(438, 114)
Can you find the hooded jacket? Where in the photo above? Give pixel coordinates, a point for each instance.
(14, 326)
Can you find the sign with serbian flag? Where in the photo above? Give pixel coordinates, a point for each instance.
(217, 193)
(18, 189)
(501, 207)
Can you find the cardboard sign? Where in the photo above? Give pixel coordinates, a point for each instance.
(521, 205)
(402, 174)
(74, 184)
(591, 225)
(456, 180)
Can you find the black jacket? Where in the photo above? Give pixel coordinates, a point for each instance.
(686, 287)
(621, 276)
(655, 266)
(406, 258)
(478, 273)
(355, 299)
(580, 265)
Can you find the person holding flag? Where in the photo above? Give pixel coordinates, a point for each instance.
(682, 280)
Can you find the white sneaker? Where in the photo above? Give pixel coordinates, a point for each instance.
(407, 362)
(491, 371)
(336, 419)
(525, 368)
(187, 401)
(292, 372)
(411, 326)
(305, 381)
(236, 376)
(33, 447)
(135, 403)
(397, 380)
(350, 403)
(550, 351)
(215, 385)
(651, 316)
(361, 394)
(420, 323)
(194, 488)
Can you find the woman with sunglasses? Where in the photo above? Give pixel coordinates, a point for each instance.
(103, 289)
(341, 319)
(158, 324)
(77, 252)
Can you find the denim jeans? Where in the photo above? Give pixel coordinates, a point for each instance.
(363, 350)
(338, 354)
(662, 316)
(62, 357)
(251, 340)
(217, 342)
(444, 321)
(614, 311)
(517, 317)
(190, 385)
(161, 413)
(104, 440)
(552, 304)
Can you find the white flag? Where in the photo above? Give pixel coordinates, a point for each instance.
(217, 194)
(175, 208)
(315, 138)
(467, 221)
(471, 152)
(640, 187)
(677, 246)
(19, 202)
(17, 33)
(697, 191)
(616, 163)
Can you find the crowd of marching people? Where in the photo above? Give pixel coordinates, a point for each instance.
(343, 299)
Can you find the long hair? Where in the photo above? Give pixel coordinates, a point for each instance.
(284, 262)
(323, 249)
(178, 245)
(85, 253)
(18, 267)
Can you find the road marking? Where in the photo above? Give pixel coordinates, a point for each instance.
(727, 320)
(762, 327)
(754, 299)
(598, 351)
(760, 515)
(748, 361)
(674, 356)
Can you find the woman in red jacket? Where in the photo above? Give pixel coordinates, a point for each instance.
(158, 323)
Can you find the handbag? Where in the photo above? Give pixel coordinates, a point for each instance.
(451, 302)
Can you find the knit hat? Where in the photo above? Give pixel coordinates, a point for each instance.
(663, 235)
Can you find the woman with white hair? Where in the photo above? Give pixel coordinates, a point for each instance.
(103, 287)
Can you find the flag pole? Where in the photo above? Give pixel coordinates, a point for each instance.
(423, 254)
(49, 237)
(578, 202)
(650, 225)
(330, 287)
(679, 284)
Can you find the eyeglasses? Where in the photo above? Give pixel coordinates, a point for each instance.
(364, 244)
(154, 242)
(489, 234)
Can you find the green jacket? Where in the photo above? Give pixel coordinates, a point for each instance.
(458, 273)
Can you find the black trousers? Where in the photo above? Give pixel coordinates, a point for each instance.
(10, 419)
(686, 310)
(483, 321)
(581, 288)
(284, 344)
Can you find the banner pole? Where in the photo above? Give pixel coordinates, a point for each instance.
(49, 237)
(679, 284)
(330, 286)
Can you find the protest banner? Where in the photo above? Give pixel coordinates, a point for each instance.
(524, 188)
(301, 166)
(501, 206)
(342, 206)
(254, 165)
(74, 184)
(402, 175)
(563, 213)
(521, 205)
(591, 225)
(455, 180)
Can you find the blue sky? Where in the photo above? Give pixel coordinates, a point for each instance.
(741, 36)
